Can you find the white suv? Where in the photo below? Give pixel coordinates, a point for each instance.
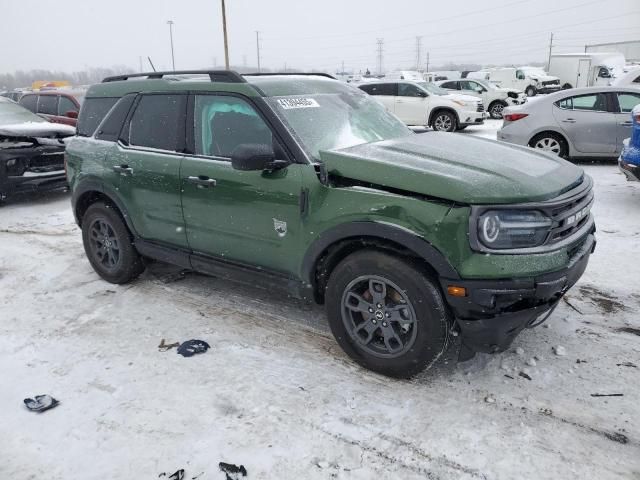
(496, 98)
(422, 103)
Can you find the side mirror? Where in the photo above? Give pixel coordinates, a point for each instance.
(71, 114)
(255, 156)
(479, 89)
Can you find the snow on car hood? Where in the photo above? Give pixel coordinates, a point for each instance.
(456, 167)
(37, 129)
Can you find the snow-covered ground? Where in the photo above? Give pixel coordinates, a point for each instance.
(276, 394)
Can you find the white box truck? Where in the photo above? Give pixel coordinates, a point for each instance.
(586, 69)
(531, 80)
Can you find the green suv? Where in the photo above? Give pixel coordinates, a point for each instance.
(308, 185)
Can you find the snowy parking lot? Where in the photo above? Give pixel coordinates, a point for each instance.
(276, 394)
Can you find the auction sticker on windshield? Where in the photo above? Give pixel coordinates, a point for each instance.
(289, 103)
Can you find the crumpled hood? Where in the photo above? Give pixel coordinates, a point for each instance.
(37, 129)
(456, 167)
(542, 78)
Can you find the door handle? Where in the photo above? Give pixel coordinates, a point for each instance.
(626, 124)
(569, 120)
(202, 181)
(125, 170)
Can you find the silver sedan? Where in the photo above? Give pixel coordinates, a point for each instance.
(579, 122)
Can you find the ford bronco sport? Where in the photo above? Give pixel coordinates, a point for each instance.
(306, 183)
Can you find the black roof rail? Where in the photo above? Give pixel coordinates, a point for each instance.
(263, 74)
(228, 76)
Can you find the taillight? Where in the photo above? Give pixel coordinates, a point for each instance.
(512, 117)
(636, 117)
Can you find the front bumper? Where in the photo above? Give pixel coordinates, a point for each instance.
(548, 88)
(471, 117)
(631, 170)
(494, 312)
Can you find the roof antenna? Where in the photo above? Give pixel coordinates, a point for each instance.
(151, 63)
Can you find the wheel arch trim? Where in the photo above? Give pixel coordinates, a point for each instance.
(383, 231)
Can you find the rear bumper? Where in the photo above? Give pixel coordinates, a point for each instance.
(494, 312)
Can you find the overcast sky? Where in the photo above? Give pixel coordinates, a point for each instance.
(76, 34)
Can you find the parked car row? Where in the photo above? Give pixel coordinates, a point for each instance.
(496, 98)
(425, 104)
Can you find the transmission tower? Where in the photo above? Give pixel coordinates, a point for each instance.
(380, 42)
(418, 52)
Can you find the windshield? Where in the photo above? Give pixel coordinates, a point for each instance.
(11, 113)
(486, 84)
(432, 88)
(329, 121)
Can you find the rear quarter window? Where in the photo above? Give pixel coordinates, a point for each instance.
(29, 102)
(92, 113)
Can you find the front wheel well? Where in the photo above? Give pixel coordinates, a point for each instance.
(437, 110)
(338, 251)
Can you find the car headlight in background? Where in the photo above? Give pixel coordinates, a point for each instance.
(509, 229)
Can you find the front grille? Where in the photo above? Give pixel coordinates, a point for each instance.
(570, 216)
(480, 107)
(46, 162)
(512, 94)
(551, 82)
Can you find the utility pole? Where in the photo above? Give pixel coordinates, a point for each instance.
(224, 31)
(173, 62)
(380, 42)
(258, 48)
(427, 62)
(550, 47)
(342, 71)
(418, 52)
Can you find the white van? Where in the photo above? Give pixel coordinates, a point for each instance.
(586, 69)
(531, 80)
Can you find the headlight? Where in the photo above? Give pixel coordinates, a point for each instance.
(511, 229)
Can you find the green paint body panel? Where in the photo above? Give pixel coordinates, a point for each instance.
(440, 174)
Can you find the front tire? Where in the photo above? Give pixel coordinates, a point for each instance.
(531, 91)
(444, 122)
(550, 142)
(108, 245)
(386, 315)
(496, 108)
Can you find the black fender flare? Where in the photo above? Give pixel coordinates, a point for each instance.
(93, 185)
(384, 231)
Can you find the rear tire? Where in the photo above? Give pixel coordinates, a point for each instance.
(387, 315)
(108, 245)
(550, 142)
(495, 109)
(444, 121)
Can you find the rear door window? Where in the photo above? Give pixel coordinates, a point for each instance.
(29, 102)
(627, 101)
(157, 121)
(48, 104)
(388, 89)
(66, 105)
(92, 113)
